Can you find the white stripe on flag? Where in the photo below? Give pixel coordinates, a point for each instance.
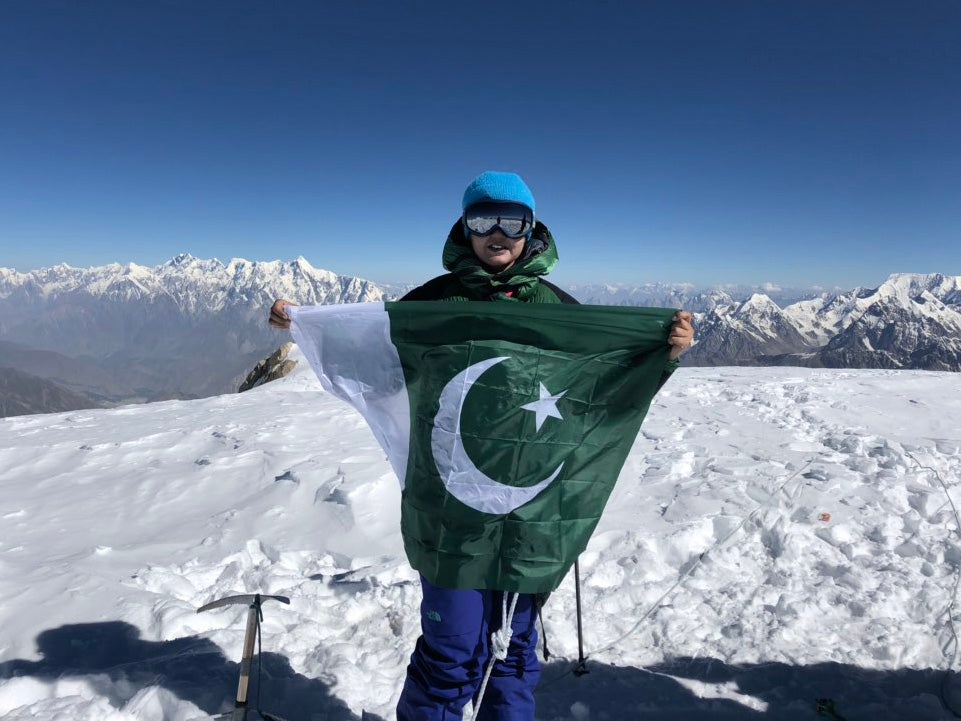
(350, 350)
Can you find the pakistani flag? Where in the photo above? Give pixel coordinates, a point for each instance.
(506, 423)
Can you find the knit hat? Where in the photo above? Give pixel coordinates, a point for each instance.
(500, 187)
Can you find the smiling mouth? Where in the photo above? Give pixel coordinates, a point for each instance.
(494, 248)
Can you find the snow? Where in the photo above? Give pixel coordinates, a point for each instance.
(777, 536)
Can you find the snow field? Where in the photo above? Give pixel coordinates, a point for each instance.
(776, 536)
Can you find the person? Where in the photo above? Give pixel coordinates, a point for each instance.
(497, 250)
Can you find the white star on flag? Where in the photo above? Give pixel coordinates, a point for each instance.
(544, 407)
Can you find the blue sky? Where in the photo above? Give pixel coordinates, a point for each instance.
(798, 143)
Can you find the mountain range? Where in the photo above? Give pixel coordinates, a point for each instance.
(187, 328)
(910, 321)
(192, 328)
(685, 295)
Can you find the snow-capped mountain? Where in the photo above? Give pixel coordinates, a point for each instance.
(682, 295)
(196, 287)
(186, 328)
(903, 325)
(909, 321)
(822, 318)
(740, 331)
(653, 295)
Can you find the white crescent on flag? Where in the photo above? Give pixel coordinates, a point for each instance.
(464, 480)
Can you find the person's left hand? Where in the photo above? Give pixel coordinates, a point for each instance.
(682, 334)
(278, 314)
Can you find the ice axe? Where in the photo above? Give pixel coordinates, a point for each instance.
(254, 616)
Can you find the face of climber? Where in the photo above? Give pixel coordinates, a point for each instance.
(496, 251)
(498, 232)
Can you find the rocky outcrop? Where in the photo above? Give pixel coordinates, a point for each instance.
(276, 366)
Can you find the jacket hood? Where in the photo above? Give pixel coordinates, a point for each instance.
(520, 280)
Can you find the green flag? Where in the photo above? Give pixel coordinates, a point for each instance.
(507, 424)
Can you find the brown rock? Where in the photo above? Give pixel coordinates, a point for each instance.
(277, 365)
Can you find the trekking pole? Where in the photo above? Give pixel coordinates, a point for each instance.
(254, 617)
(581, 668)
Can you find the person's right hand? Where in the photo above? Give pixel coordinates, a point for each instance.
(278, 314)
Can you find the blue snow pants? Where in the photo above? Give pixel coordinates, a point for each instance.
(449, 661)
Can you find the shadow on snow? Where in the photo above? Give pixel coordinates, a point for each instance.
(118, 664)
(711, 690)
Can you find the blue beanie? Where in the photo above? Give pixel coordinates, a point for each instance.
(500, 187)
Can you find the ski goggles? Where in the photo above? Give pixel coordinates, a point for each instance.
(513, 219)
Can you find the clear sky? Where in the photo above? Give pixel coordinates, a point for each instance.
(718, 141)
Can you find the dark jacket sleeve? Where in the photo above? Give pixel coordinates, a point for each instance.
(563, 296)
(431, 290)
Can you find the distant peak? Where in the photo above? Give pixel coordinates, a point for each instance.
(913, 284)
(914, 276)
(759, 300)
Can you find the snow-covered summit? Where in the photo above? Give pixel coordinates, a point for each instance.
(777, 536)
(946, 287)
